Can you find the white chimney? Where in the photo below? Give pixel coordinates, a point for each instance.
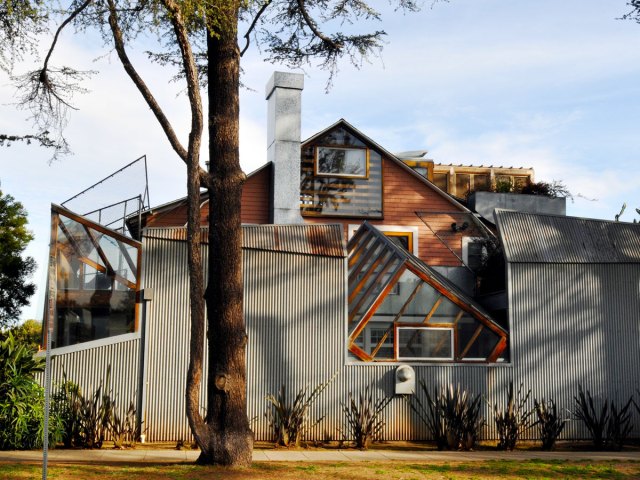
(284, 97)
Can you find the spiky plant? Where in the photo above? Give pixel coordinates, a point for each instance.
(549, 423)
(289, 418)
(452, 416)
(596, 422)
(619, 426)
(364, 417)
(513, 419)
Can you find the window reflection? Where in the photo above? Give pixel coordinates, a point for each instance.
(97, 281)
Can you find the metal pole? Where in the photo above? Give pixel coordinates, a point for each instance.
(51, 306)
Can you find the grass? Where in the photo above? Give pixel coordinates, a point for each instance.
(495, 469)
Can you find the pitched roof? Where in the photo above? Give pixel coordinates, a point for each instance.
(536, 238)
(410, 171)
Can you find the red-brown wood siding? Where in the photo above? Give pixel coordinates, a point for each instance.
(255, 205)
(256, 197)
(403, 196)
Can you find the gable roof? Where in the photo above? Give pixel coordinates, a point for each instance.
(393, 158)
(536, 238)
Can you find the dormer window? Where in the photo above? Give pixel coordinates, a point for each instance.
(342, 162)
(340, 176)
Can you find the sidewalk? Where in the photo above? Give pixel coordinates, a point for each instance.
(127, 457)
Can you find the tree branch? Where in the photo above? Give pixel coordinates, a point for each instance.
(141, 85)
(193, 84)
(253, 25)
(314, 28)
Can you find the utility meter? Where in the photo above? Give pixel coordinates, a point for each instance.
(405, 380)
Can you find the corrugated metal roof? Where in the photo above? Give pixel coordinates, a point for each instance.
(322, 240)
(534, 238)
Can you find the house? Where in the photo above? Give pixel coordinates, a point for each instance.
(354, 264)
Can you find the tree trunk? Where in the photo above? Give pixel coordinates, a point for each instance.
(229, 440)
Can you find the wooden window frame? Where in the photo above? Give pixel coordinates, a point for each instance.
(316, 163)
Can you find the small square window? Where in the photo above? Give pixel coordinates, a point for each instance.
(342, 162)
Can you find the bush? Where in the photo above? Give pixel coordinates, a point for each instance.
(22, 399)
(549, 424)
(364, 418)
(555, 189)
(512, 420)
(608, 425)
(87, 422)
(452, 416)
(288, 418)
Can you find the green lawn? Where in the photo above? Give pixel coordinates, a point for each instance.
(499, 469)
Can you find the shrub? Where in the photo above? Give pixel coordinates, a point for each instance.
(22, 399)
(452, 416)
(288, 418)
(549, 424)
(555, 189)
(364, 417)
(619, 426)
(88, 421)
(595, 422)
(608, 425)
(512, 420)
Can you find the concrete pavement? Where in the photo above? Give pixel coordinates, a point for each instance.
(144, 456)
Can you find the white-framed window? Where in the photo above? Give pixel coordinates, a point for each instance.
(342, 162)
(424, 343)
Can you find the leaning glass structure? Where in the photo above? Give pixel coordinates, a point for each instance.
(400, 309)
(97, 280)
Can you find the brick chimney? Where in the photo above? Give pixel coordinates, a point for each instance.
(284, 97)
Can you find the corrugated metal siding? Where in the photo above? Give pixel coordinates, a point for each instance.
(325, 240)
(531, 238)
(576, 325)
(295, 309)
(88, 369)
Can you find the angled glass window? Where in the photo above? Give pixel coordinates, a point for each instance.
(402, 310)
(97, 280)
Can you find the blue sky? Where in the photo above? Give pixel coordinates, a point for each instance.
(545, 84)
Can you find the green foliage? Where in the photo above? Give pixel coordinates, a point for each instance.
(504, 186)
(88, 421)
(364, 417)
(14, 270)
(549, 423)
(555, 189)
(22, 399)
(619, 426)
(28, 333)
(452, 416)
(288, 418)
(607, 425)
(513, 419)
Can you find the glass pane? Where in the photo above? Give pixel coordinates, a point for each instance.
(350, 162)
(463, 182)
(441, 180)
(446, 312)
(373, 333)
(425, 343)
(482, 346)
(482, 183)
(92, 303)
